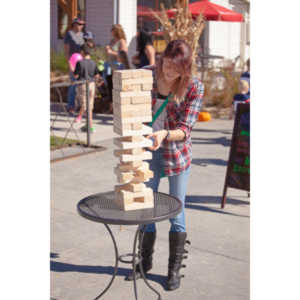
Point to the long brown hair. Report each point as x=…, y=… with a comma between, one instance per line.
x=118, y=31
x=181, y=54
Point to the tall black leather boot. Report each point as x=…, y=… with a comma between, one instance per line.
x=146, y=253
x=177, y=241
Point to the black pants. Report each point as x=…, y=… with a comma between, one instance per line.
x=109, y=86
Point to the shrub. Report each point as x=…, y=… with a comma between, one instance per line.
x=58, y=62
x=220, y=87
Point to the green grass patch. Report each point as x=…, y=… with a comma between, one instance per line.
x=59, y=142
x=58, y=62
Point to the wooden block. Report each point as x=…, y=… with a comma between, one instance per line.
x=127, y=200
x=119, y=114
x=122, y=74
x=135, y=164
x=132, y=107
x=145, y=198
x=126, y=84
x=134, y=205
x=137, y=74
x=137, y=119
x=147, y=86
x=136, y=126
x=126, y=74
x=131, y=87
x=129, y=145
x=129, y=132
x=141, y=99
x=121, y=100
x=131, y=187
x=136, y=157
x=134, y=151
x=145, y=73
x=132, y=139
x=126, y=126
x=142, y=176
x=123, y=177
x=130, y=94
x=144, y=166
x=129, y=166
x=131, y=81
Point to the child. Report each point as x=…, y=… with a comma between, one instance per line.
x=243, y=97
x=86, y=69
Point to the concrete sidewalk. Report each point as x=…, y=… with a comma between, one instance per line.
x=82, y=255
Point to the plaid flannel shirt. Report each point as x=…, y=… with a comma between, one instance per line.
x=178, y=155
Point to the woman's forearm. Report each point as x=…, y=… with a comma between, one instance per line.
x=114, y=53
x=175, y=135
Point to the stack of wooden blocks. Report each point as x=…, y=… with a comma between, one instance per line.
x=132, y=107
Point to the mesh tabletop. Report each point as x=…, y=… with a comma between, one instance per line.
x=101, y=208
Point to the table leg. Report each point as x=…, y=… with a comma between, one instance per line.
x=140, y=232
x=116, y=264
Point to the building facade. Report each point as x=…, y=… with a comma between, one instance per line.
x=99, y=16
x=228, y=39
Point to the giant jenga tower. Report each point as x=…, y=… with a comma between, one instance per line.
x=132, y=107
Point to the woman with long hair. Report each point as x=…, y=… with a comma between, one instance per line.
x=118, y=43
x=177, y=99
x=146, y=51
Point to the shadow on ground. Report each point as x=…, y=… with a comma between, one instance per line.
x=194, y=202
x=203, y=162
x=211, y=130
x=64, y=267
x=105, y=119
x=222, y=141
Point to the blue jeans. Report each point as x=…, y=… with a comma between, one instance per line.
x=177, y=187
x=71, y=93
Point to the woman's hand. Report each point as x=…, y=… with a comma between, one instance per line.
x=108, y=49
x=157, y=137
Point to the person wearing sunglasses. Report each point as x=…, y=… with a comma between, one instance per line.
x=72, y=42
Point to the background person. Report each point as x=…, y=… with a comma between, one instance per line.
x=172, y=146
x=86, y=69
x=72, y=42
x=242, y=97
x=118, y=43
x=146, y=51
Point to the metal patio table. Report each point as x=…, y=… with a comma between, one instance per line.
x=101, y=208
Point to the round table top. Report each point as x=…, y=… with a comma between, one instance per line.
x=101, y=208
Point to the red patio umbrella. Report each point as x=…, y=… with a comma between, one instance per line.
x=144, y=11
x=211, y=12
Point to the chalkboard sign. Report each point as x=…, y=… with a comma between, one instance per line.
x=238, y=167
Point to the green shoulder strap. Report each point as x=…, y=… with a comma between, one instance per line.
x=159, y=111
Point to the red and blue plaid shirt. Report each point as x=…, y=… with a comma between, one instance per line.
x=178, y=155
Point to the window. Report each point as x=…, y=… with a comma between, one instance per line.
x=81, y=11
x=63, y=21
x=66, y=11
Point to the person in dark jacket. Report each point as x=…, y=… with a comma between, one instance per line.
x=146, y=51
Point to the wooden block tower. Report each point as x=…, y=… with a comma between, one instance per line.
x=132, y=107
